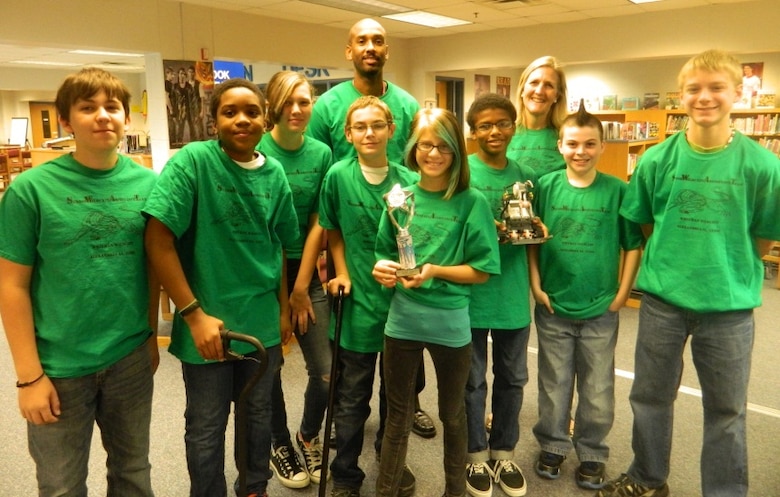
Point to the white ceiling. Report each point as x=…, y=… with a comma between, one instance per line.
x=484, y=15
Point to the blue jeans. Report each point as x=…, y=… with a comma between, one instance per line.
x=119, y=399
x=316, y=350
x=721, y=346
x=210, y=389
x=581, y=351
x=510, y=375
x=352, y=407
x=401, y=362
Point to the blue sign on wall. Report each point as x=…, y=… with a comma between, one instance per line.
x=224, y=70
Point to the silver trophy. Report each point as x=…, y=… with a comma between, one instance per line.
x=398, y=199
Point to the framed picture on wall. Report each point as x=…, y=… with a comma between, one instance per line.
x=481, y=84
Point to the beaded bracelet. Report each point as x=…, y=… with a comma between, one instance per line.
x=28, y=383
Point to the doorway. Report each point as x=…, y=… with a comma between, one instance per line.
x=43, y=122
x=449, y=95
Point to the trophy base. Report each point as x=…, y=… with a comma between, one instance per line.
x=402, y=273
x=519, y=240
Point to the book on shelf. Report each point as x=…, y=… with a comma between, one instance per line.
x=675, y=123
x=612, y=130
x=765, y=100
x=609, y=102
x=630, y=103
x=672, y=100
x=632, y=160
x=651, y=100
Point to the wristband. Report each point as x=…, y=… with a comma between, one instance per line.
x=189, y=308
x=29, y=383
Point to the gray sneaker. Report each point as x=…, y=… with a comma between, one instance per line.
x=312, y=456
x=344, y=492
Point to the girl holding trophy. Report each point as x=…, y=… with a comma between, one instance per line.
x=446, y=229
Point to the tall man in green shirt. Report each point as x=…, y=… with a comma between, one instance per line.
x=367, y=48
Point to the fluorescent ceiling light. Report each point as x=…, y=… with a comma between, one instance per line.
x=116, y=67
x=109, y=54
x=44, y=63
x=426, y=19
x=368, y=7
x=643, y=1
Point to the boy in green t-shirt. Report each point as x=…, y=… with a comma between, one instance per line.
x=709, y=200
x=580, y=284
x=219, y=218
x=499, y=308
x=78, y=308
x=351, y=206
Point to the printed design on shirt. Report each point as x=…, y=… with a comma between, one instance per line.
x=425, y=235
x=690, y=201
x=363, y=229
x=98, y=225
x=236, y=215
x=569, y=227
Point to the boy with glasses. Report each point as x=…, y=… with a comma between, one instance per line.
x=499, y=308
x=351, y=206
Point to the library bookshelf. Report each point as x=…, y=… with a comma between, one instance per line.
x=760, y=124
x=620, y=155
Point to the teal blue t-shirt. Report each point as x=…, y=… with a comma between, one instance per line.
x=446, y=233
x=354, y=206
x=503, y=301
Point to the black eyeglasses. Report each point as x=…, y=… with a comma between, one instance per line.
x=427, y=147
x=502, y=125
x=362, y=128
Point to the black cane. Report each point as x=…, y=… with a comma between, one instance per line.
x=334, y=374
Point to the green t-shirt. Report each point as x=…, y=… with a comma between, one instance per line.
x=231, y=224
x=81, y=230
x=305, y=168
x=537, y=149
x=580, y=266
x=503, y=302
x=352, y=205
x=330, y=112
x=446, y=233
x=706, y=211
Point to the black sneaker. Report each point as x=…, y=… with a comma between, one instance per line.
x=344, y=492
x=479, y=479
x=549, y=465
x=423, y=425
x=287, y=467
x=625, y=486
x=510, y=477
x=591, y=475
x=408, y=482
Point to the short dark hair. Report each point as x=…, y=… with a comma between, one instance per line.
x=220, y=89
x=86, y=84
x=582, y=119
x=489, y=101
